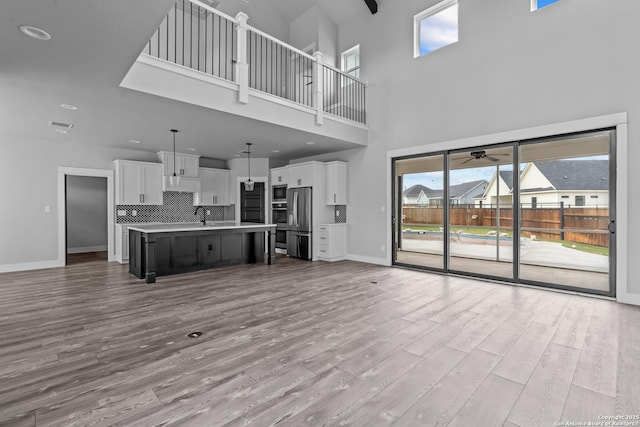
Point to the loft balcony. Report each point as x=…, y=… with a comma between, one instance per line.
x=201, y=56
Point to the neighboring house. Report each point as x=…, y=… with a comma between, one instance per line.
x=418, y=195
x=460, y=194
x=502, y=187
x=549, y=182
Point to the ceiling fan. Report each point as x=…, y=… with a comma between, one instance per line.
x=477, y=155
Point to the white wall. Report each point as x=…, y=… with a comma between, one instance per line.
x=29, y=234
x=512, y=69
x=86, y=214
x=261, y=16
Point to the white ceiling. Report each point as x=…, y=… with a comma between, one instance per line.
x=93, y=45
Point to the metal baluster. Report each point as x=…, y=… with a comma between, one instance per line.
x=183, y=25
x=199, y=38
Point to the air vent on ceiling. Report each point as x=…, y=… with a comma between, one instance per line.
x=193, y=8
x=61, y=125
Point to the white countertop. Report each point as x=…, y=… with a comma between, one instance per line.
x=197, y=226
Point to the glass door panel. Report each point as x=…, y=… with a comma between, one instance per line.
x=565, y=212
x=480, y=197
x=418, y=211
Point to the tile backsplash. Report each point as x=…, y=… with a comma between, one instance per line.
x=341, y=214
x=177, y=207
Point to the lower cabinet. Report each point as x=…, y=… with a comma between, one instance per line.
x=122, y=243
x=332, y=241
x=183, y=252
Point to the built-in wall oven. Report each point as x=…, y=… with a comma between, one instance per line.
x=279, y=194
x=279, y=217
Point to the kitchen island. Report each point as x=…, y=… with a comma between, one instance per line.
x=163, y=249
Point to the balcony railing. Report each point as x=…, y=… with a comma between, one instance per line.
x=199, y=37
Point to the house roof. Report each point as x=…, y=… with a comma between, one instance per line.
x=576, y=174
x=455, y=191
x=414, y=190
x=460, y=190
x=507, y=177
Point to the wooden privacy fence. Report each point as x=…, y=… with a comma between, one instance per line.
x=557, y=222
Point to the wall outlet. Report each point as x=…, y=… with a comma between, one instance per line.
x=208, y=212
x=382, y=248
x=122, y=212
x=382, y=208
x=47, y=209
x=134, y=212
x=337, y=213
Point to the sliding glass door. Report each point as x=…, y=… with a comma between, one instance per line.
x=481, y=212
x=566, y=210
x=538, y=212
x=419, y=211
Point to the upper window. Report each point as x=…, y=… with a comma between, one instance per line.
x=436, y=27
x=351, y=61
x=539, y=4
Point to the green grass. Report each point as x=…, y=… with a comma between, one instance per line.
x=592, y=249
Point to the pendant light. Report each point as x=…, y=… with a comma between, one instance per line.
x=174, y=179
x=248, y=184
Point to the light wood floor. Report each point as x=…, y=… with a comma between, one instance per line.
x=301, y=343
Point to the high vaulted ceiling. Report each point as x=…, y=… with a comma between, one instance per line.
x=93, y=46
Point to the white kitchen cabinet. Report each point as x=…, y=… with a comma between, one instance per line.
x=308, y=174
x=214, y=188
x=332, y=241
x=138, y=183
x=336, y=183
x=187, y=165
x=122, y=243
x=280, y=176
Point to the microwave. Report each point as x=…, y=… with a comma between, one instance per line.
x=279, y=193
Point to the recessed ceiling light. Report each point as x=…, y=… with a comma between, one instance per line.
x=310, y=143
x=69, y=106
x=35, y=32
x=275, y=151
x=191, y=149
x=135, y=141
x=61, y=131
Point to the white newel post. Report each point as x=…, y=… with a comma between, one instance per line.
x=318, y=83
x=242, y=66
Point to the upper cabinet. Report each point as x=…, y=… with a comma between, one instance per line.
x=304, y=174
x=187, y=165
x=138, y=183
x=280, y=176
x=336, y=183
x=214, y=188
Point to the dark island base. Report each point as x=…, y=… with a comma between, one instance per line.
x=161, y=254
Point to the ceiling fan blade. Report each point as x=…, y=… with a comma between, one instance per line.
x=467, y=161
x=493, y=159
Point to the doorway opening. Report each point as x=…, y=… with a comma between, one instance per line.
x=539, y=212
x=82, y=198
x=86, y=219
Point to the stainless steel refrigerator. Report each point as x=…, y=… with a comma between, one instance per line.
x=299, y=222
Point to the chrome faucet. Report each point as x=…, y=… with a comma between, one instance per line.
x=204, y=219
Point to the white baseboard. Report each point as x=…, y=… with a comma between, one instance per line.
x=368, y=260
x=85, y=249
x=24, y=266
x=633, y=299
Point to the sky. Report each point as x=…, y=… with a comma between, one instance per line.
x=439, y=30
x=543, y=3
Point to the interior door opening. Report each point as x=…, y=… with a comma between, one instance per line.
x=86, y=226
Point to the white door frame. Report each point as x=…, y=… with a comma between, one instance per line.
x=62, y=208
